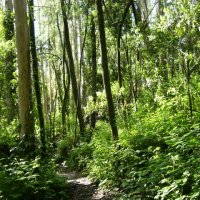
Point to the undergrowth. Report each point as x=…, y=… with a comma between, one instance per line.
x=22, y=179
x=157, y=158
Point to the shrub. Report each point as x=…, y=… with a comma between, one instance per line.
x=158, y=159
x=21, y=179
x=79, y=156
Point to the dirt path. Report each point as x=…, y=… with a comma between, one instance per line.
x=81, y=188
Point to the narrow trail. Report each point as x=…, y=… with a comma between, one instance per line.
x=81, y=188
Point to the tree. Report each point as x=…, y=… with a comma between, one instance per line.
x=94, y=68
x=119, y=44
x=9, y=61
x=72, y=70
x=36, y=77
x=26, y=119
x=106, y=73
x=66, y=81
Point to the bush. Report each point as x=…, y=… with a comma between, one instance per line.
x=158, y=159
x=79, y=156
x=149, y=171
x=8, y=137
x=21, y=179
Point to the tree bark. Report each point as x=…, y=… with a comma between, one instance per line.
x=72, y=70
x=9, y=62
x=106, y=73
x=24, y=73
x=136, y=12
x=36, y=78
x=65, y=103
x=119, y=44
x=94, y=69
x=66, y=83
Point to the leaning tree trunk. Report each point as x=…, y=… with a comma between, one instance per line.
x=36, y=78
x=24, y=73
x=106, y=74
x=72, y=70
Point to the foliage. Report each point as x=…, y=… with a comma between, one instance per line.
x=157, y=159
x=8, y=138
x=21, y=179
x=79, y=156
x=157, y=107
x=160, y=173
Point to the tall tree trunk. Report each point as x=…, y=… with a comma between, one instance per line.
x=45, y=92
x=119, y=43
x=58, y=77
x=44, y=85
x=24, y=72
x=136, y=12
x=51, y=100
x=65, y=101
x=54, y=120
x=189, y=93
x=36, y=78
x=9, y=61
x=106, y=73
x=144, y=9
x=75, y=44
x=163, y=56
x=72, y=70
x=82, y=43
x=94, y=69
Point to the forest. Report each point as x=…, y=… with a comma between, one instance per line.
x=107, y=92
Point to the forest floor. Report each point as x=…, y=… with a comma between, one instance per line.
x=81, y=188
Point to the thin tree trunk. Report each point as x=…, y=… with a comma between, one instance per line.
x=94, y=70
x=82, y=41
x=66, y=96
x=75, y=39
x=44, y=85
x=54, y=120
x=9, y=61
x=163, y=56
x=36, y=78
x=106, y=73
x=51, y=100
x=188, y=77
x=119, y=44
x=65, y=101
x=58, y=81
x=136, y=13
x=72, y=70
x=45, y=93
